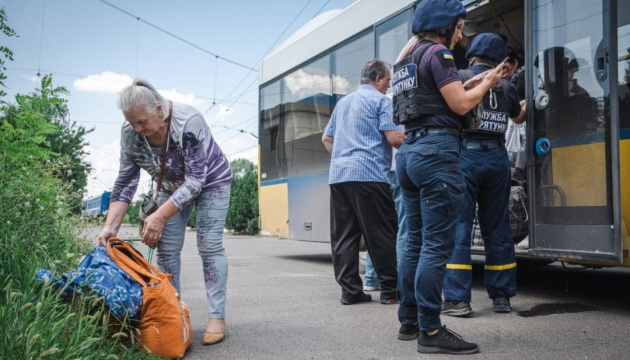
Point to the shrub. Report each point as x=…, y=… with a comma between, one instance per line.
x=242, y=215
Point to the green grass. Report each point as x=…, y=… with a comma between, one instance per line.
x=37, y=232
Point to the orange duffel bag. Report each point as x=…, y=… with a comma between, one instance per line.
x=164, y=324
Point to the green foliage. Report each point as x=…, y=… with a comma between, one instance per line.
x=5, y=52
x=46, y=112
x=242, y=215
x=132, y=212
x=38, y=231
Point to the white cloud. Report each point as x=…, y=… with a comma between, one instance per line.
x=110, y=82
x=222, y=113
x=107, y=82
x=188, y=98
x=31, y=78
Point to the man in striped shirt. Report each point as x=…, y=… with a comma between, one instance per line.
x=360, y=136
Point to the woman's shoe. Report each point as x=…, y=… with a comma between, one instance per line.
x=212, y=338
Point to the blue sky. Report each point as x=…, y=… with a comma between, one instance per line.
x=94, y=49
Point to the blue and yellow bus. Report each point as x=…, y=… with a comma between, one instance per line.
x=577, y=82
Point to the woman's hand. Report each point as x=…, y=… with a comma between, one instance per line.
x=475, y=80
x=107, y=233
x=152, y=231
x=495, y=74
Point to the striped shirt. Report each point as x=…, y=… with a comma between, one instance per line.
x=360, y=149
x=194, y=161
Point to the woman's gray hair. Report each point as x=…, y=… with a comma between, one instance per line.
x=372, y=70
x=141, y=93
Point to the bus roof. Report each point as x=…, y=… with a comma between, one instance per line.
x=325, y=31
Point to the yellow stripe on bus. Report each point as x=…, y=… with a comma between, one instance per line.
x=500, y=267
x=459, y=266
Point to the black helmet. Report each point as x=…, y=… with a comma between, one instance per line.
x=436, y=14
x=487, y=45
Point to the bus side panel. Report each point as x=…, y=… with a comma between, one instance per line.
x=274, y=209
x=624, y=167
x=310, y=208
x=580, y=171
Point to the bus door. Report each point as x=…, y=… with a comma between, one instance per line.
x=573, y=137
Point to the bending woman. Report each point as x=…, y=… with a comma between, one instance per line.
x=195, y=172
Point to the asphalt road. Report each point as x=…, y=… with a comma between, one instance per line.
x=283, y=303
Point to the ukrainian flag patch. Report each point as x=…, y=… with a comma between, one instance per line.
x=447, y=54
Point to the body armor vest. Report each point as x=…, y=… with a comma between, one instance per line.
x=492, y=113
x=411, y=102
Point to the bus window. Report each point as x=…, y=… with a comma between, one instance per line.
x=571, y=180
x=271, y=151
x=347, y=63
x=307, y=97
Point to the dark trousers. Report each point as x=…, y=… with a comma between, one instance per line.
x=363, y=208
x=487, y=174
x=433, y=193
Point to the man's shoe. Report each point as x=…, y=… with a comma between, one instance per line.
x=389, y=301
x=408, y=332
x=456, y=308
x=501, y=304
x=445, y=342
x=351, y=300
x=376, y=287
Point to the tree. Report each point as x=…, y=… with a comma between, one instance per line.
x=242, y=214
x=64, y=138
x=6, y=52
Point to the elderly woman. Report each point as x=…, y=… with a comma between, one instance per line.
x=172, y=142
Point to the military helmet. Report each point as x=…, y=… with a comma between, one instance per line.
x=436, y=14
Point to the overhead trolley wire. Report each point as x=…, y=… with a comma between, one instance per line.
x=178, y=37
x=263, y=56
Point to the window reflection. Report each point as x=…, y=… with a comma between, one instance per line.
x=570, y=181
x=347, y=63
x=623, y=58
x=307, y=103
x=272, y=147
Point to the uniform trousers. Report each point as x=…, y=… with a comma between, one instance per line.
x=487, y=174
x=433, y=189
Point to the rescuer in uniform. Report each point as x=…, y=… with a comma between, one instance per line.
x=430, y=100
x=486, y=166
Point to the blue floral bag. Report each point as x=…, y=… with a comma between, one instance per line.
x=98, y=272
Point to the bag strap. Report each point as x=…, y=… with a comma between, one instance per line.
x=133, y=263
x=164, y=149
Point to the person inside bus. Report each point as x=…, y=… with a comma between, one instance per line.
x=360, y=136
x=469, y=31
x=430, y=100
x=173, y=139
x=486, y=166
x=571, y=108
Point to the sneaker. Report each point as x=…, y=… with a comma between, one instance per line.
x=501, y=304
x=376, y=287
x=408, y=332
x=445, y=342
x=456, y=308
x=524, y=244
x=351, y=300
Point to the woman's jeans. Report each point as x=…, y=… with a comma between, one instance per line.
x=433, y=188
x=370, y=278
x=212, y=206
